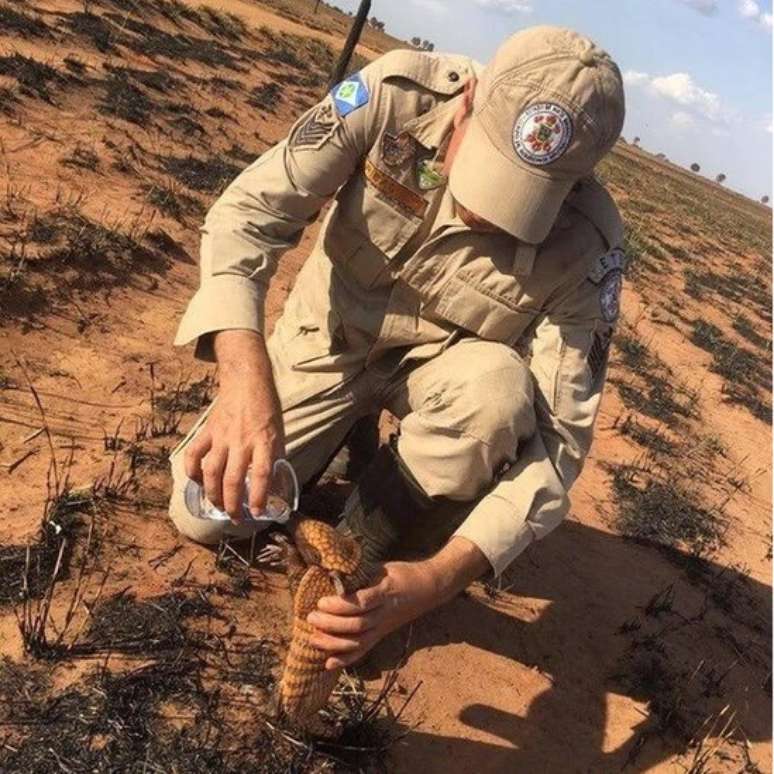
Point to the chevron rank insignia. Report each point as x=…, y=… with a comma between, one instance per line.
x=315, y=129
x=349, y=95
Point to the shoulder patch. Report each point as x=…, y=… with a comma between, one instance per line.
x=610, y=295
x=350, y=94
x=615, y=260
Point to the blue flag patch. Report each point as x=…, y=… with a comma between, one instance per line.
x=350, y=94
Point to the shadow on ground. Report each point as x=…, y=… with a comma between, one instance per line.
x=619, y=618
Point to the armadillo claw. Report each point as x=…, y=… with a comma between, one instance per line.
x=274, y=554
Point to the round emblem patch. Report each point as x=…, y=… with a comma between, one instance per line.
x=542, y=133
x=610, y=295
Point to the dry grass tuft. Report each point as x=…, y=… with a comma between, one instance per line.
x=35, y=78
x=665, y=512
x=16, y=22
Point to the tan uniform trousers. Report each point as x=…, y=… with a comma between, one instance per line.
x=463, y=414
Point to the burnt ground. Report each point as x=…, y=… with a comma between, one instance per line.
x=637, y=636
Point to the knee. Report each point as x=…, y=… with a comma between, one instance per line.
x=477, y=405
x=491, y=396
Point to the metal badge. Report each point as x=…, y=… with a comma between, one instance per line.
x=397, y=150
x=428, y=177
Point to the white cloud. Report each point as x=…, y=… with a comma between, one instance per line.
x=506, y=6
x=633, y=78
x=433, y=6
x=750, y=9
x=706, y=7
x=683, y=120
x=681, y=88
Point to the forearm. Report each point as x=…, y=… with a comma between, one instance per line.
x=241, y=355
x=245, y=375
x=455, y=567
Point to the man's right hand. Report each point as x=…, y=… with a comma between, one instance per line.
x=244, y=429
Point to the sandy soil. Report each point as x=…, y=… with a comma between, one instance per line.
x=600, y=652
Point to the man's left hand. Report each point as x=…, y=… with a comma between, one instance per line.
x=349, y=626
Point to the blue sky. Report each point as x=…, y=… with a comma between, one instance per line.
x=698, y=72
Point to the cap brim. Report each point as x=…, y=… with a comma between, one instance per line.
x=510, y=196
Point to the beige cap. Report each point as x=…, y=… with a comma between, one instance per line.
x=547, y=108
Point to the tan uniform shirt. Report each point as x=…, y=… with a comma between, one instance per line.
x=409, y=277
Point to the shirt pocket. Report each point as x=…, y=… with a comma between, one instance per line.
x=308, y=355
x=487, y=300
x=489, y=317
x=368, y=229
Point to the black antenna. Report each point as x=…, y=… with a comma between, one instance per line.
x=349, y=46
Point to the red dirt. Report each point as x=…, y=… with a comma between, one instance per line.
x=548, y=674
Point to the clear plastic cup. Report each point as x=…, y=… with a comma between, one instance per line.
x=281, y=499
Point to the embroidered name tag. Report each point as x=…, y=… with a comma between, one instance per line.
x=396, y=192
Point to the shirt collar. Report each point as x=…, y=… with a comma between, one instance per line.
x=431, y=128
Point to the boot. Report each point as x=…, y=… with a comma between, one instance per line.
x=385, y=503
x=359, y=448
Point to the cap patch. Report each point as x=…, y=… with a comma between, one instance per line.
x=542, y=133
x=610, y=295
x=350, y=94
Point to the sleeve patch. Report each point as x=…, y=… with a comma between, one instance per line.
x=610, y=295
x=597, y=356
x=616, y=259
x=350, y=94
x=316, y=129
